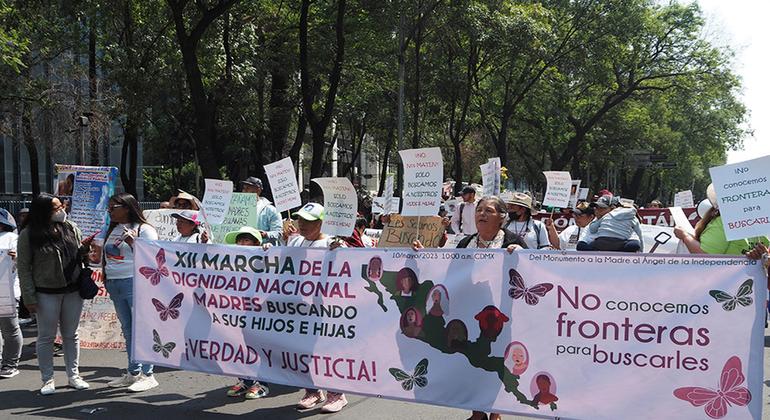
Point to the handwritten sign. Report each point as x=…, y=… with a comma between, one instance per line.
x=162, y=221
x=574, y=193
x=242, y=212
x=340, y=206
x=743, y=197
x=423, y=180
x=558, y=192
x=402, y=231
x=283, y=184
x=683, y=199
x=216, y=201
x=488, y=178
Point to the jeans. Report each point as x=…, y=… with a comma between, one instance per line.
x=63, y=311
x=10, y=342
x=122, y=295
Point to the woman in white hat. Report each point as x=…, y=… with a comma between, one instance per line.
x=520, y=221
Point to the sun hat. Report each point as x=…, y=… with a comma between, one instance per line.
x=232, y=237
x=189, y=215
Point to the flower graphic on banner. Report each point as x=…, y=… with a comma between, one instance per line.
x=532, y=294
x=419, y=377
x=743, y=297
x=172, y=310
x=728, y=394
x=159, y=347
x=153, y=274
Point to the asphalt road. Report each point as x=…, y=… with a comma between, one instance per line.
x=189, y=395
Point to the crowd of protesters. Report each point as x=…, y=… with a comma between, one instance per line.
x=50, y=253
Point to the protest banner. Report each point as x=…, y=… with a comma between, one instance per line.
x=216, y=200
x=743, y=197
x=89, y=189
x=283, y=184
x=683, y=199
x=659, y=217
x=583, y=194
x=7, y=298
x=536, y=333
x=403, y=230
x=340, y=206
x=557, y=192
x=162, y=221
x=574, y=193
x=423, y=180
x=391, y=204
x=379, y=204
x=242, y=212
x=659, y=240
x=99, y=326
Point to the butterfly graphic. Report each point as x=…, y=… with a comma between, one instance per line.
x=159, y=347
x=743, y=297
x=409, y=381
x=172, y=310
x=153, y=274
x=729, y=393
x=532, y=294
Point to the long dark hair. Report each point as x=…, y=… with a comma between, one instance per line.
x=134, y=211
x=42, y=232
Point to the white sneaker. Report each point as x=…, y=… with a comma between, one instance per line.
x=48, y=388
x=143, y=383
x=126, y=380
x=78, y=383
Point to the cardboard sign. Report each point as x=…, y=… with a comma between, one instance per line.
x=557, y=193
x=574, y=193
x=162, y=221
x=683, y=199
x=216, y=201
x=423, y=180
x=743, y=197
x=283, y=184
x=402, y=231
x=340, y=206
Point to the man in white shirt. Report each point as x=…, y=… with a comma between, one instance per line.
x=464, y=218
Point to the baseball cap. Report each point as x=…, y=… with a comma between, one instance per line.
x=310, y=212
x=605, y=201
x=189, y=215
x=232, y=237
x=252, y=180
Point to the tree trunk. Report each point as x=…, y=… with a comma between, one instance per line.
x=29, y=144
x=280, y=108
x=386, y=156
x=128, y=155
x=92, y=93
x=458, y=168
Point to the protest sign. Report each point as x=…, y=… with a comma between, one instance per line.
x=89, y=189
x=488, y=178
x=683, y=199
x=536, y=333
x=241, y=212
x=391, y=205
x=743, y=197
x=574, y=193
x=659, y=239
x=216, y=200
x=423, y=180
x=162, y=221
x=498, y=182
x=283, y=184
x=659, y=217
x=403, y=230
x=557, y=193
x=379, y=204
x=7, y=298
x=99, y=326
x=583, y=194
x=451, y=206
x=340, y=206
x=453, y=239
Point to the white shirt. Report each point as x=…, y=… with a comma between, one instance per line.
x=569, y=237
x=530, y=231
x=300, y=241
x=119, y=263
x=468, y=212
x=195, y=238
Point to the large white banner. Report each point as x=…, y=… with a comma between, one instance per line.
x=559, y=186
x=340, y=206
x=743, y=197
x=583, y=336
x=7, y=299
x=423, y=180
x=283, y=183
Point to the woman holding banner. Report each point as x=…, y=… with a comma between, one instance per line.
x=50, y=257
x=309, y=220
x=491, y=214
x=126, y=224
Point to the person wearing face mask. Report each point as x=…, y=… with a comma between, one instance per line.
x=520, y=221
x=50, y=257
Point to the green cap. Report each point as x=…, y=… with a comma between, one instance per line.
x=231, y=237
